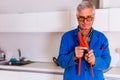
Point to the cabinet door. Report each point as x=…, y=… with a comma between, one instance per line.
x=9, y=75
x=35, y=22
x=101, y=20
x=36, y=76
x=18, y=22
x=53, y=21
x=58, y=77
x=114, y=19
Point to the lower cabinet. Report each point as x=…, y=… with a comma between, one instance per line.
x=9, y=75
x=14, y=75
x=40, y=76
x=58, y=77
x=36, y=76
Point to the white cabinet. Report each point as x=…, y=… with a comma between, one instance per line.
x=100, y=22
x=73, y=21
x=104, y=3
x=58, y=77
x=114, y=16
x=17, y=22
x=40, y=76
x=18, y=75
x=36, y=76
x=35, y=22
x=53, y=21
x=9, y=75
x=59, y=21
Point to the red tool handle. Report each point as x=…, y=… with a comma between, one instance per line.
x=83, y=43
x=86, y=44
x=79, y=60
x=79, y=66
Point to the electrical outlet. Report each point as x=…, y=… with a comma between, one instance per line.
x=117, y=50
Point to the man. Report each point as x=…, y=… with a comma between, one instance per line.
x=97, y=57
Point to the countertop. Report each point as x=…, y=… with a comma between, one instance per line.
x=50, y=67
x=35, y=67
x=113, y=72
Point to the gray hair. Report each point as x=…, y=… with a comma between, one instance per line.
x=85, y=4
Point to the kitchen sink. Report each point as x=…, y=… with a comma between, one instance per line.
x=18, y=63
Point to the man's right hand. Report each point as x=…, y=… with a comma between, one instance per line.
x=79, y=52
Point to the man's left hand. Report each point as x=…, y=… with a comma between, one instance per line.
x=90, y=57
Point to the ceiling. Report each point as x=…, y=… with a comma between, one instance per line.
x=29, y=6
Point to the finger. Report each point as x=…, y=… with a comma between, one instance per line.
x=79, y=55
x=80, y=51
x=90, y=60
x=82, y=48
x=86, y=57
x=91, y=51
x=90, y=55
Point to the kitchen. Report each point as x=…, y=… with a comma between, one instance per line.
x=37, y=32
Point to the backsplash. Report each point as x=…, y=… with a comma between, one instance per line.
x=114, y=38
x=33, y=46
x=42, y=46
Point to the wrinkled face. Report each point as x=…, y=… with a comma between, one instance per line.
x=85, y=18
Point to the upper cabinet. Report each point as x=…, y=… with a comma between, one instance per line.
x=58, y=21
x=114, y=16
x=100, y=22
x=17, y=22
x=109, y=3
x=35, y=22
x=53, y=21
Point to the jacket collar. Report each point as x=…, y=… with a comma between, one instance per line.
x=77, y=30
x=94, y=39
x=76, y=36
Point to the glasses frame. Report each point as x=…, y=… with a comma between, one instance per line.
x=91, y=17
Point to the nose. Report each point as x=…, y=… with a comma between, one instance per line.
x=85, y=21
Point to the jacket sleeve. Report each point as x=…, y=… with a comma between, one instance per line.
x=66, y=56
x=103, y=60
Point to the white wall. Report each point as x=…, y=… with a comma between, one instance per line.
x=114, y=38
x=34, y=46
x=43, y=46
x=27, y=6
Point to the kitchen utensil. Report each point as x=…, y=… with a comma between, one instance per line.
x=55, y=61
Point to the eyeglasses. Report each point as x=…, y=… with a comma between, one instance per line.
x=82, y=18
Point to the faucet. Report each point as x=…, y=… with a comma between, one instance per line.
x=2, y=55
x=20, y=57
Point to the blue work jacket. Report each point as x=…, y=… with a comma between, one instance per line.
x=98, y=43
